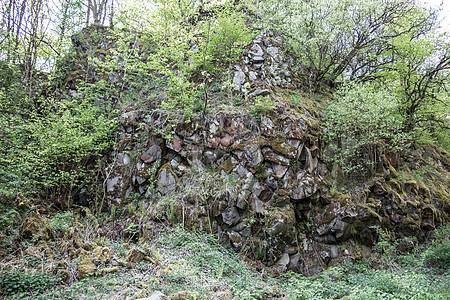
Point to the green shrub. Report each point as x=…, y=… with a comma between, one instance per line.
x=61, y=222
x=20, y=281
x=360, y=123
x=54, y=146
x=261, y=105
x=438, y=256
x=438, y=253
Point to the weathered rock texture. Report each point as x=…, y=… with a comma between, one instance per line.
x=259, y=185
x=262, y=185
x=263, y=65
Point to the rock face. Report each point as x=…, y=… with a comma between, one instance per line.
x=263, y=66
x=262, y=185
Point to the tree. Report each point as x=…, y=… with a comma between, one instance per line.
x=99, y=10
x=334, y=39
x=360, y=124
x=420, y=74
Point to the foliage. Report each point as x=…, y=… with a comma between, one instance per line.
x=360, y=123
x=49, y=150
x=63, y=143
x=328, y=48
x=419, y=77
x=19, y=281
x=355, y=281
x=177, y=265
x=61, y=222
x=7, y=218
x=229, y=33
x=261, y=104
x=438, y=254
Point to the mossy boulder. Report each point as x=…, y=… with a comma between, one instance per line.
x=135, y=255
x=85, y=268
x=101, y=255
x=36, y=226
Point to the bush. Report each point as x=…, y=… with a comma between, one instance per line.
x=438, y=254
x=49, y=150
x=20, y=281
x=360, y=123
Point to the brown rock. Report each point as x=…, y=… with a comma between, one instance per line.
x=279, y=170
x=226, y=140
x=36, y=226
x=181, y=296
x=152, y=154
x=105, y=271
x=86, y=267
x=64, y=275
x=135, y=255
x=34, y=251
x=174, y=144
x=222, y=295
x=102, y=255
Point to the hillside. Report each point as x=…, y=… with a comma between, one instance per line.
x=231, y=155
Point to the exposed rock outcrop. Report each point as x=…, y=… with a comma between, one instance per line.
x=262, y=184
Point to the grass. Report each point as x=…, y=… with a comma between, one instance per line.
x=181, y=260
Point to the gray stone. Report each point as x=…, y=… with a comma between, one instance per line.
x=325, y=256
x=258, y=66
x=279, y=170
x=260, y=92
x=267, y=124
x=213, y=128
x=211, y=156
x=291, y=250
x=249, y=181
x=258, y=59
x=342, y=230
x=270, y=155
x=142, y=189
x=240, y=226
x=241, y=171
x=334, y=251
x=151, y=154
x=273, y=70
x=126, y=159
x=242, y=199
x=166, y=182
x=294, y=263
x=252, y=75
x=239, y=77
x=155, y=296
x=274, y=52
x=257, y=189
x=282, y=263
x=256, y=204
x=304, y=188
x=231, y=216
x=256, y=50
x=236, y=239
x=140, y=180
x=254, y=154
x=114, y=186
x=175, y=162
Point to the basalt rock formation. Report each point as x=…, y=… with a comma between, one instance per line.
x=262, y=183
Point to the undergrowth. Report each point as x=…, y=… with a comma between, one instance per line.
x=182, y=260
